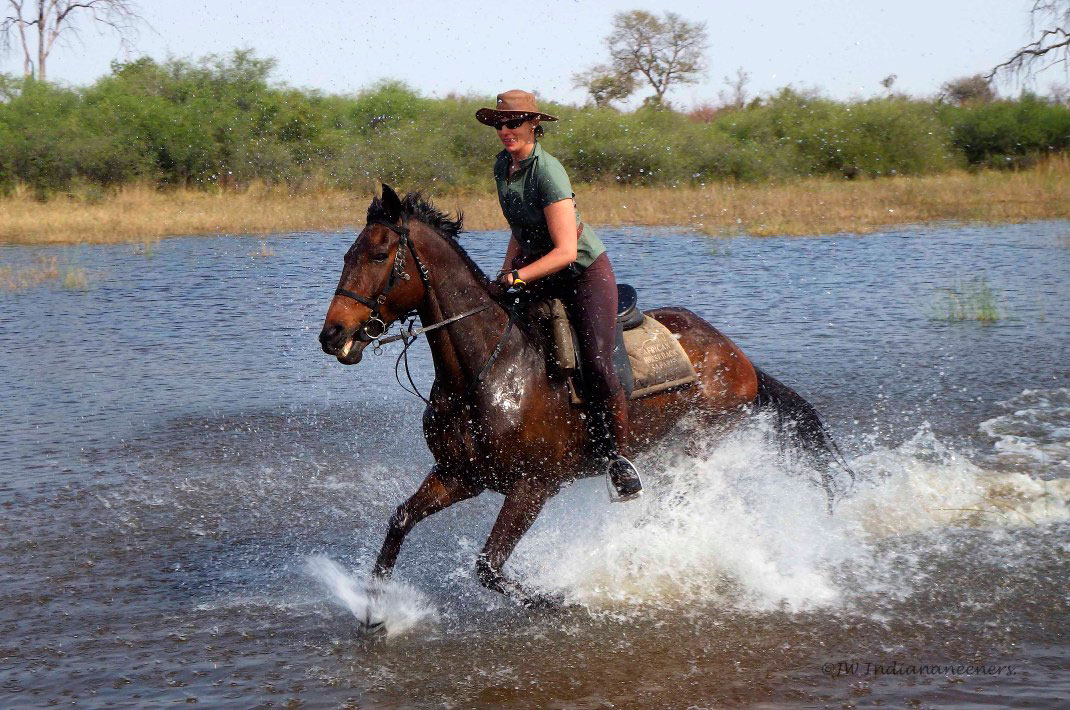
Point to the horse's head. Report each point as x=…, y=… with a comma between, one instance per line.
x=380, y=283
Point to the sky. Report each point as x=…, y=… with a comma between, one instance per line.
x=842, y=47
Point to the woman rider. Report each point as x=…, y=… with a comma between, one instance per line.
x=555, y=254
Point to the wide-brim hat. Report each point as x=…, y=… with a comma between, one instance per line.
x=512, y=104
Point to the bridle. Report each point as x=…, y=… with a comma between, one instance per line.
x=397, y=273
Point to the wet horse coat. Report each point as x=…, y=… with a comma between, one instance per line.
x=515, y=431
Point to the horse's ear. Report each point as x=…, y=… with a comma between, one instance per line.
x=391, y=202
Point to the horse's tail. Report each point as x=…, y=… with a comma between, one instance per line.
x=800, y=423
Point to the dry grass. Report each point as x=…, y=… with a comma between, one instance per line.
x=828, y=205
x=144, y=214
x=263, y=252
x=19, y=278
x=75, y=279
x=43, y=270
x=801, y=207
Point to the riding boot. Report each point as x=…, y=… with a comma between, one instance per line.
x=622, y=473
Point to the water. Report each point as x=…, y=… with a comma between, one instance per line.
x=192, y=493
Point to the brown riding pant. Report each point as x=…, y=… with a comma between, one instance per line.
x=591, y=301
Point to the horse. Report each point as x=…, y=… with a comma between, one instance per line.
x=495, y=420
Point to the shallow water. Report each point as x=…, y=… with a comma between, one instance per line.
x=192, y=493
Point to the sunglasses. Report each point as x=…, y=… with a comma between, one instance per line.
x=511, y=125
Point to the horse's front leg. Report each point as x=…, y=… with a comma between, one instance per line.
x=521, y=507
x=438, y=491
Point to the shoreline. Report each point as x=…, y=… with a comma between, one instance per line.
x=803, y=207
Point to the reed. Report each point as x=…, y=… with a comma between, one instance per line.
x=808, y=206
x=75, y=279
x=970, y=301
x=43, y=270
x=264, y=251
x=24, y=276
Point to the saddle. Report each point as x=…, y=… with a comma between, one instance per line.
x=648, y=358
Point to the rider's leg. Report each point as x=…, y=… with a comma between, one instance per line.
x=612, y=441
x=438, y=491
x=592, y=305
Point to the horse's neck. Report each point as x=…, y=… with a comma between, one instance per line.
x=460, y=349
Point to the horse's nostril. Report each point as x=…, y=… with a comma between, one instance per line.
x=329, y=332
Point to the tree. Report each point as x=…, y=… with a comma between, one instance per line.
x=974, y=89
x=605, y=85
x=663, y=52
x=1050, y=21
x=39, y=23
x=736, y=95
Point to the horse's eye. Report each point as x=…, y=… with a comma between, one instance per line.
x=379, y=258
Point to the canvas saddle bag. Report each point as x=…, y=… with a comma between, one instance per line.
x=648, y=357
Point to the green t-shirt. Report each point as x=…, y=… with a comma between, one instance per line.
x=540, y=181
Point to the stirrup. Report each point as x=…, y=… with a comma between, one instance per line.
x=633, y=484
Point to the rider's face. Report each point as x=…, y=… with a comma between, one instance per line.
x=516, y=139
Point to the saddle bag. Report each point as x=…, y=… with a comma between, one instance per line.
x=564, y=355
x=648, y=358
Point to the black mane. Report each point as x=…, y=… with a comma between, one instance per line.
x=414, y=205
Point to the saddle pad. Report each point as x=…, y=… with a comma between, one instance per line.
x=657, y=358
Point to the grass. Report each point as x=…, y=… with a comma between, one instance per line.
x=20, y=278
x=43, y=270
x=263, y=252
x=75, y=279
x=145, y=214
x=971, y=301
x=805, y=206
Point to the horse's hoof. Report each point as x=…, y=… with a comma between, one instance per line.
x=375, y=630
x=543, y=602
x=371, y=627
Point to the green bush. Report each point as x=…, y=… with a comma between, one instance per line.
x=1008, y=133
x=221, y=122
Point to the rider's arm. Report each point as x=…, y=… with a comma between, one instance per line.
x=510, y=254
x=561, y=221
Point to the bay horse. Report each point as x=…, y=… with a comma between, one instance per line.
x=495, y=420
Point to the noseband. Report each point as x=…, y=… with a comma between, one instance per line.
x=397, y=273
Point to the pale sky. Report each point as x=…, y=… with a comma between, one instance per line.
x=843, y=47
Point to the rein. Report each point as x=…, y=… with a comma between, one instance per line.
x=414, y=332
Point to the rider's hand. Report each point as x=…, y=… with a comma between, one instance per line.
x=505, y=282
x=498, y=287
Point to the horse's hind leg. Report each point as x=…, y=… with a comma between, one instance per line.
x=521, y=507
x=438, y=491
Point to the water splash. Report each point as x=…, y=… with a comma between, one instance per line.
x=923, y=484
x=389, y=607
x=741, y=527
x=1036, y=431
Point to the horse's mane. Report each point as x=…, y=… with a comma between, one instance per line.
x=416, y=206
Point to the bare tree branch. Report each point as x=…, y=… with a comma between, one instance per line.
x=55, y=19
x=1051, y=18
